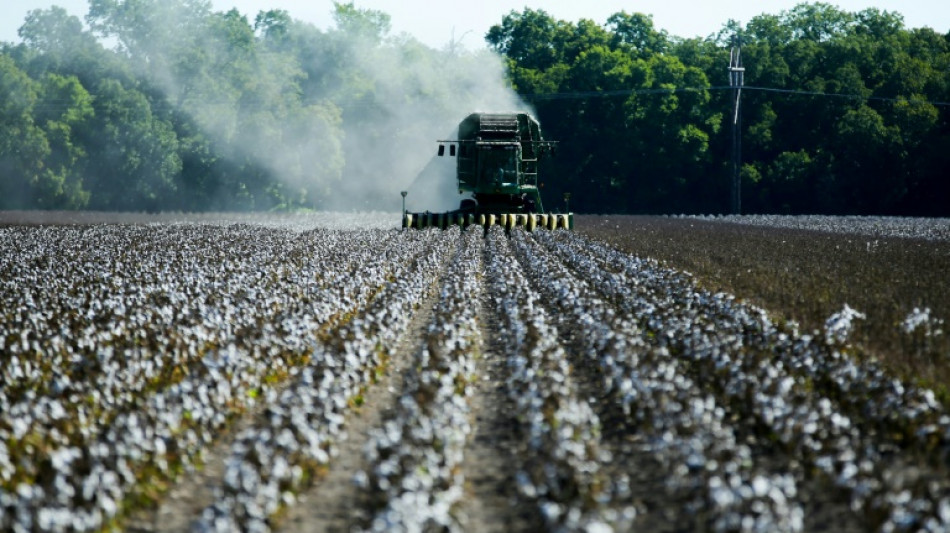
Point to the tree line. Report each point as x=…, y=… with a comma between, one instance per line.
x=647, y=116
x=170, y=105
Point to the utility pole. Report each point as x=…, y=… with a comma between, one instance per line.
x=736, y=81
x=403, y=193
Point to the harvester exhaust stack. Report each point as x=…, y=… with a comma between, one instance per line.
x=497, y=158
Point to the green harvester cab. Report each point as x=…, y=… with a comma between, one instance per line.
x=498, y=156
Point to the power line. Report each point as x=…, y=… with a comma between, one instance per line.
x=849, y=96
x=674, y=90
x=604, y=94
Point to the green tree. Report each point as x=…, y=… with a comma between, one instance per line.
x=150, y=31
x=367, y=23
x=274, y=28
x=637, y=32
x=24, y=147
x=55, y=42
x=136, y=163
x=672, y=136
x=527, y=38
x=199, y=109
x=64, y=106
x=868, y=159
x=818, y=22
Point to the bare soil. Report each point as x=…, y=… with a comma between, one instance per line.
x=183, y=504
x=492, y=502
x=336, y=502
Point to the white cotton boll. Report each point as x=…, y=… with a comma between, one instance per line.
x=839, y=325
x=922, y=320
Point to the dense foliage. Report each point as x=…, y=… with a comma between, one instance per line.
x=174, y=106
x=646, y=117
x=169, y=105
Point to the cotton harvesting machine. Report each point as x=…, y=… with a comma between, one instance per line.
x=497, y=158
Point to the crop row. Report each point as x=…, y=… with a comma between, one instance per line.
x=415, y=457
x=931, y=229
x=844, y=417
x=130, y=349
x=296, y=431
x=807, y=276
x=322, y=220
x=135, y=346
x=688, y=428
x=561, y=468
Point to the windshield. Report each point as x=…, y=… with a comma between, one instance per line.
x=499, y=165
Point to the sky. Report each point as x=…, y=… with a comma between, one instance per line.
x=437, y=22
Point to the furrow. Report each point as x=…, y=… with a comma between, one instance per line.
x=685, y=428
x=142, y=376
x=495, y=451
x=560, y=469
x=804, y=401
x=295, y=439
x=415, y=457
x=338, y=501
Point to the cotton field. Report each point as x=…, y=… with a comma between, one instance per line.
x=534, y=380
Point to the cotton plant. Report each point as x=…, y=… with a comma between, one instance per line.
x=839, y=326
x=921, y=333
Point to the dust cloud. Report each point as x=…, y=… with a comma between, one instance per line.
x=348, y=116
x=419, y=97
